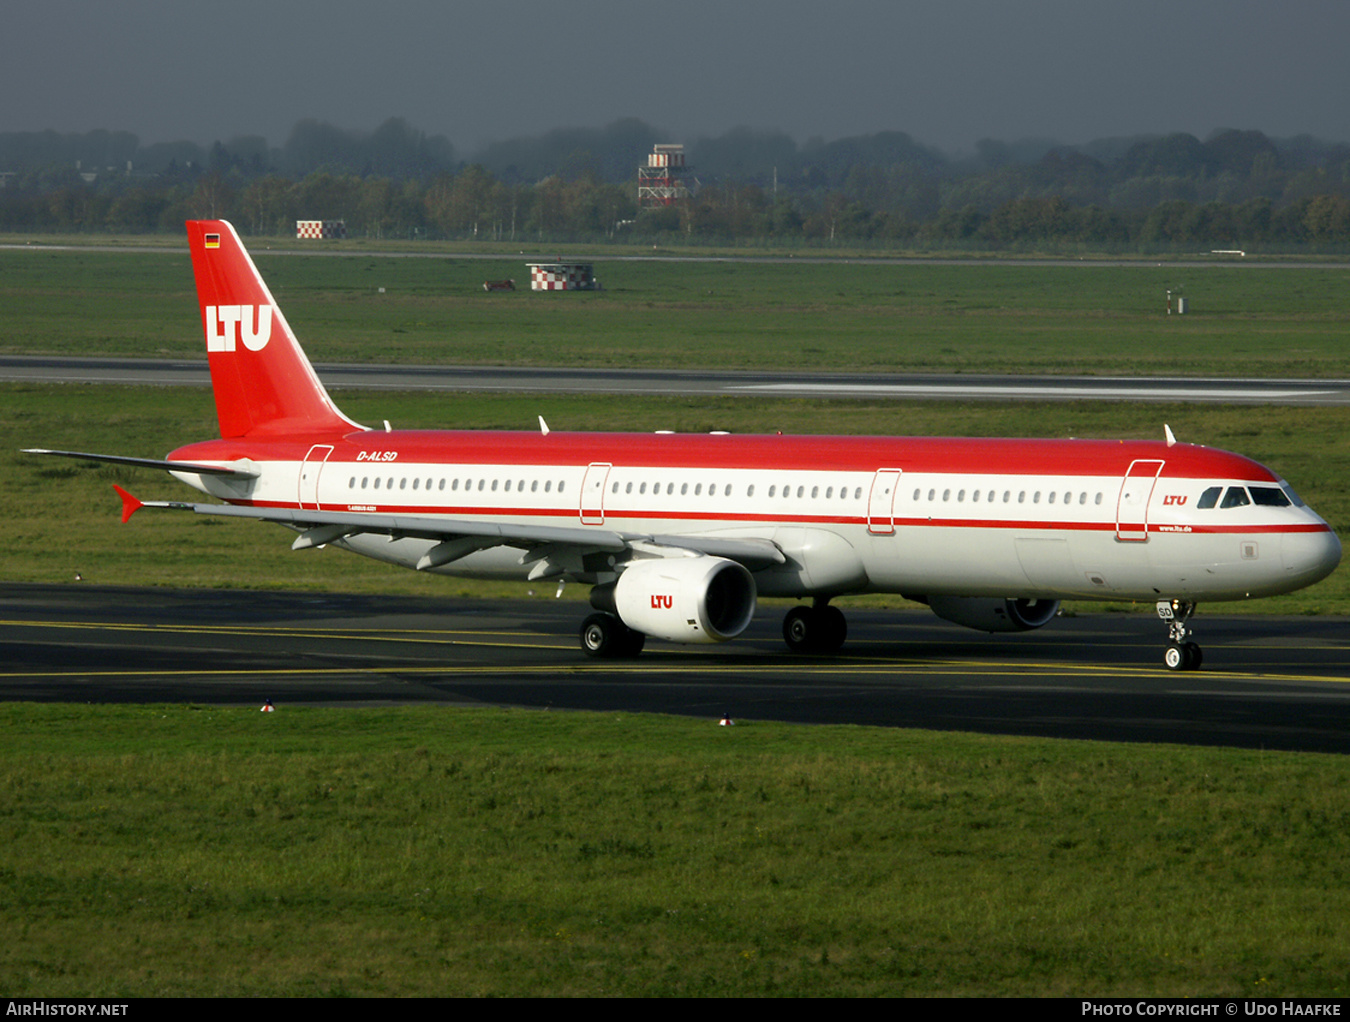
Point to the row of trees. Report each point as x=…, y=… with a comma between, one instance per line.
x=1236, y=189
x=473, y=205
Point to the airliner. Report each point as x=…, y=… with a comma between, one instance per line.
x=678, y=535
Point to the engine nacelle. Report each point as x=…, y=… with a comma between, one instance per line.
x=991, y=614
x=682, y=599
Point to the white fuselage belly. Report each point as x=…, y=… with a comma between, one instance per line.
x=924, y=534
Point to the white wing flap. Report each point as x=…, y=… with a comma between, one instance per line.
x=417, y=526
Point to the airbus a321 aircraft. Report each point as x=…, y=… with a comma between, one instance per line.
x=678, y=534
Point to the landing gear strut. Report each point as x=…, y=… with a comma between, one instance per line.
x=1181, y=654
x=816, y=629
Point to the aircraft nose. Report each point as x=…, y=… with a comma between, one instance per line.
x=1311, y=556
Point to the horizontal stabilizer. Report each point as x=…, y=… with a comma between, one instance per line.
x=237, y=472
x=130, y=505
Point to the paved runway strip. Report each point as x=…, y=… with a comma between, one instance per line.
x=875, y=386
x=1268, y=682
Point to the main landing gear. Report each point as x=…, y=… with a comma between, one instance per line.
x=1181, y=654
x=816, y=629
x=606, y=637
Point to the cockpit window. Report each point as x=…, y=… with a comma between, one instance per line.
x=1293, y=497
x=1235, y=497
x=1209, y=498
x=1269, y=496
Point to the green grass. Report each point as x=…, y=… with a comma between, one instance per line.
x=1070, y=318
x=204, y=851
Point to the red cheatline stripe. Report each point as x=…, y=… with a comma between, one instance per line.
x=641, y=519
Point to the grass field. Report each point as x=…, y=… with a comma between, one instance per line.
x=188, y=850
x=1070, y=318
x=218, y=851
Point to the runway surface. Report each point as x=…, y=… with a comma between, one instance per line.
x=868, y=386
x=1278, y=683
x=347, y=250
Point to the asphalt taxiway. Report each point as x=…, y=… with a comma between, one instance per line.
x=1268, y=682
x=723, y=383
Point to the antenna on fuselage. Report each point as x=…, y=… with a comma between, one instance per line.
x=1167, y=431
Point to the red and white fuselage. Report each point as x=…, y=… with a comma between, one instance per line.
x=1046, y=519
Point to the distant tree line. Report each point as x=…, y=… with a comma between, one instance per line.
x=1237, y=189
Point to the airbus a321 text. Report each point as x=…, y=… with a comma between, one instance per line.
x=679, y=534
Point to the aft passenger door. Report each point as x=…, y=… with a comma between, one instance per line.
x=1136, y=489
x=309, y=476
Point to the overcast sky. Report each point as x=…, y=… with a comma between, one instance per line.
x=948, y=73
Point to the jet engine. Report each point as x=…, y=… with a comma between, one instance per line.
x=993, y=614
x=682, y=599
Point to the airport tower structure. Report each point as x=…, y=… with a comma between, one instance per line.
x=661, y=181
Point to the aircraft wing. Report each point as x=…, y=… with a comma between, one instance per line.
x=548, y=546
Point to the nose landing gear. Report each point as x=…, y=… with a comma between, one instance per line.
x=1181, y=654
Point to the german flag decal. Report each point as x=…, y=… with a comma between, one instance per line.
x=213, y=241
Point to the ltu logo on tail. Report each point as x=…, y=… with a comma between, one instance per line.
x=229, y=325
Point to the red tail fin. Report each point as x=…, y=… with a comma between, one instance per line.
x=264, y=384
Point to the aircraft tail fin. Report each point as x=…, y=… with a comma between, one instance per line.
x=264, y=385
